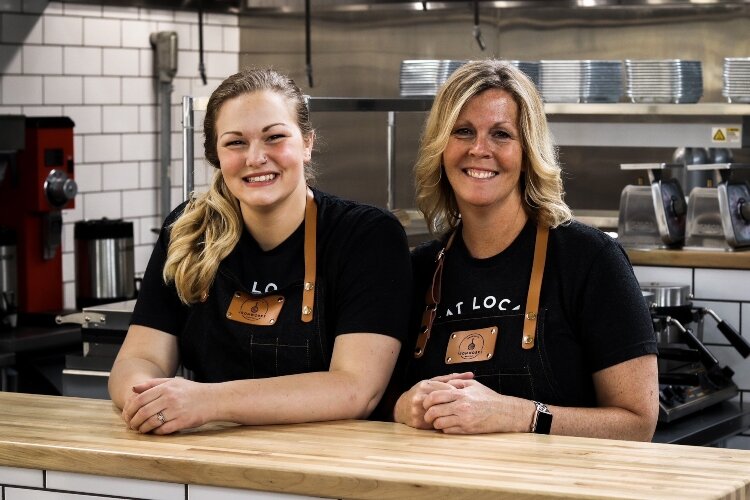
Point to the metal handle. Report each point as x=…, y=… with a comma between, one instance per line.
x=734, y=338
x=707, y=359
x=80, y=318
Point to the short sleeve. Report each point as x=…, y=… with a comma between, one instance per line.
x=616, y=321
x=373, y=279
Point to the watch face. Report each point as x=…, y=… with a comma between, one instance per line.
x=543, y=419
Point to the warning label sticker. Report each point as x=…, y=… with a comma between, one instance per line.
x=726, y=135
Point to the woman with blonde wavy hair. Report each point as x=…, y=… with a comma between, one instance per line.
x=269, y=292
x=525, y=321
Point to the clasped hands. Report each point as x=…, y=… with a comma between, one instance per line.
x=458, y=404
x=165, y=405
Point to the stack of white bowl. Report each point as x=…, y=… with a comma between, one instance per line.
x=581, y=81
x=664, y=81
x=736, y=79
x=423, y=77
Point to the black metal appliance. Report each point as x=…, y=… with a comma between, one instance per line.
x=690, y=376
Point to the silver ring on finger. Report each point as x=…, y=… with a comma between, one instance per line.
x=161, y=417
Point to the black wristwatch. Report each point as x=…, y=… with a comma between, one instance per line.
x=542, y=419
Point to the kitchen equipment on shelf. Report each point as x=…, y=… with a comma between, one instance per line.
x=718, y=217
x=8, y=279
x=652, y=216
x=736, y=79
x=581, y=80
x=103, y=329
x=104, y=262
x=690, y=377
x=38, y=184
x=664, y=80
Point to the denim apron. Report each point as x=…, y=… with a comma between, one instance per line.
x=218, y=345
x=518, y=365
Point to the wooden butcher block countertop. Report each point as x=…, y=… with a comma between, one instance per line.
x=358, y=459
x=690, y=258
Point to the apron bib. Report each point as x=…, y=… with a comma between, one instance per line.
x=234, y=334
x=506, y=352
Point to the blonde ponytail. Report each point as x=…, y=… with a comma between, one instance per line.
x=200, y=239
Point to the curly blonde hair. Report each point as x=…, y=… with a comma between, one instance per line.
x=211, y=224
x=541, y=182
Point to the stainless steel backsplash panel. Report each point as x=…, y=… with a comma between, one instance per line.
x=359, y=54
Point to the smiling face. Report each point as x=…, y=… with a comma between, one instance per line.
x=261, y=151
x=483, y=159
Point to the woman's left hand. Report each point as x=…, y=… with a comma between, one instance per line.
x=166, y=405
x=473, y=408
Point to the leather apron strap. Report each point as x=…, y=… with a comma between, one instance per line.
x=535, y=288
x=308, y=287
x=432, y=297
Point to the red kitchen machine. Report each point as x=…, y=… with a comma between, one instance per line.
x=36, y=156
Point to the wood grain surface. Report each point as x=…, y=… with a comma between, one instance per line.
x=690, y=258
x=358, y=459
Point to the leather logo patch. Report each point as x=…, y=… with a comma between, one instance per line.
x=471, y=346
x=255, y=310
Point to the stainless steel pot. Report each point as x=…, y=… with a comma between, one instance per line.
x=104, y=262
x=668, y=294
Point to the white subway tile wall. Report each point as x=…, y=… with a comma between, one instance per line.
x=95, y=65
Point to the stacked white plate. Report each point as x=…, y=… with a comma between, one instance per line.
x=423, y=77
x=737, y=79
x=581, y=80
x=664, y=81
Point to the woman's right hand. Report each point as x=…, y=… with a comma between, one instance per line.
x=409, y=408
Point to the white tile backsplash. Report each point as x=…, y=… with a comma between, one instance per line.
x=42, y=110
x=231, y=37
x=213, y=38
x=138, y=91
x=82, y=61
x=649, y=274
x=101, y=90
x=21, y=89
x=63, y=90
x=140, y=203
x=21, y=477
x=148, y=118
x=68, y=267
x=101, y=32
x=42, y=60
x=722, y=284
x=121, y=62
x=102, y=485
x=120, y=176
x=101, y=148
x=89, y=177
x=20, y=28
x=149, y=174
x=83, y=10
x=105, y=204
x=61, y=30
x=136, y=34
x=160, y=15
x=10, y=59
x=200, y=492
x=223, y=19
x=139, y=147
x=34, y=6
x=119, y=119
x=221, y=65
x=87, y=119
x=141, y=254
x=120, y=12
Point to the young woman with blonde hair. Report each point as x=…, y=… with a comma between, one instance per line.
x=286, y=304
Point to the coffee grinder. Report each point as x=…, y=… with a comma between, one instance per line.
x=719, y=217
x=652, y=216
x=36, y=154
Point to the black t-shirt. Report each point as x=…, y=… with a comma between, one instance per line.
x=595, y=315
x=362, y=263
